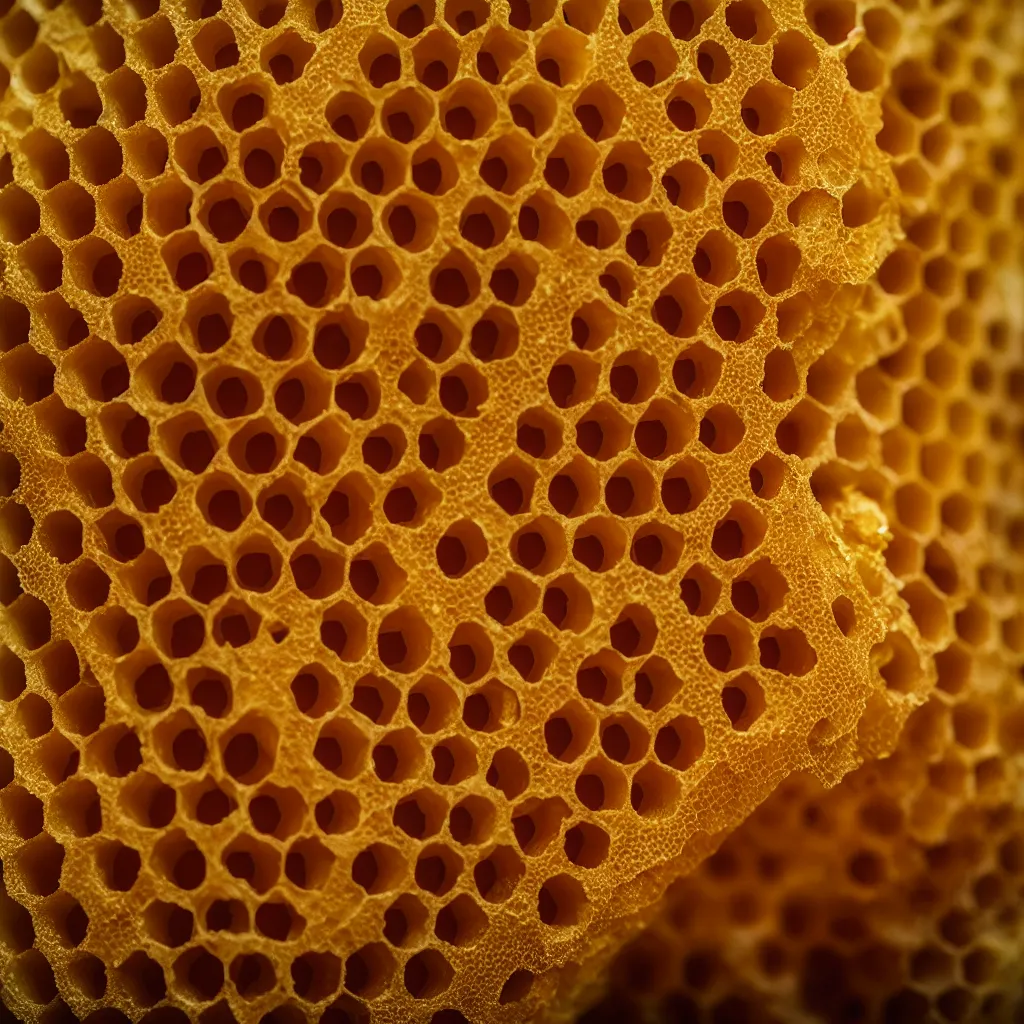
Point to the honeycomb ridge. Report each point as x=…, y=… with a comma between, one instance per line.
x=896, y=896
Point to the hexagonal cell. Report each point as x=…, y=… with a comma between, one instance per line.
x=766, y=108
x=567, y=603
x=460, y=922
x=743, y=701
x=252, y=974
x=568, y=731
x=70, y=207
x=463, y=390
x=739, y=532
x=493, y=707
x=248, y=749
x=187, y=261
x=786, y=651
x=471, y=821
x=150, y=802
x=277, y=811
x=654, y=792
x=688, y=106
x=767, y=476
x=562, y=902
x=602, y=432
x=237, y=624
x=470, y=651
x=727, y=643
x=574, y=490
x=586, y=845
x=454, y=761
x=179, y=629
x=699, y=590
x=511, y=485
x=759, y=591
x=599, y=543
x=680, y=743
x=286, y=56
x=180, y=742
x=308, y=862
x=431, y=704
x=341, y=748
x=178, y=859
x=378, y=868
x=403, y=640
x=539, y=546
x=411, y=500
x=317, y=572
x=420, y=814
x=679, y=309
x=656, y=548
x=624, y=739
x=97, y=268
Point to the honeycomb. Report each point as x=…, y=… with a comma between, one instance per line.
x=897, y=896
x=459, y=459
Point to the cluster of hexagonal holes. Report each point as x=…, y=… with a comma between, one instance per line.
x=756, y=595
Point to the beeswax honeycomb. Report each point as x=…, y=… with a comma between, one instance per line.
x=897, y=895
x=430, y=523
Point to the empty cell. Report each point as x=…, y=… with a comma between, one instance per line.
x=19, y=214
x=568, y=732
x=739, y=532
x=567, y=604
x=680, y=743
x=561, y=57
x=80, y=102
x=715, y=258
x=721, y=429
x=727, y=643
x=767, y=475
x=688, y=107
x=652, y=59
x=178, y=97
x=786, y=651
x=599, y=677
x=778, y=260
x=562, y=902
x=47, y=159
x=467, y=112
x=215, y=45
x=466, y=16
x=286, y=57
x=746, y=208
x=749, y=20
x=685, y=185
x=599, y=111
x=737, y=315
x=832, y=20
x=743, y=701
x=802, y=430
x=654, y=791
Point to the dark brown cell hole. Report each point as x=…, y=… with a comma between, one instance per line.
x=435, y=75
x=283, y=224
x=227, y=220
x=247, y=110
x=260, y=168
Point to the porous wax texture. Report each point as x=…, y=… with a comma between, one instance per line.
x=511, y=511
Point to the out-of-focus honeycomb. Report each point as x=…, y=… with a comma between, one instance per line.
x=446, y=487
x=898, y=895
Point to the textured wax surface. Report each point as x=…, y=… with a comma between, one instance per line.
x=897, y=896
x=459, y=459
